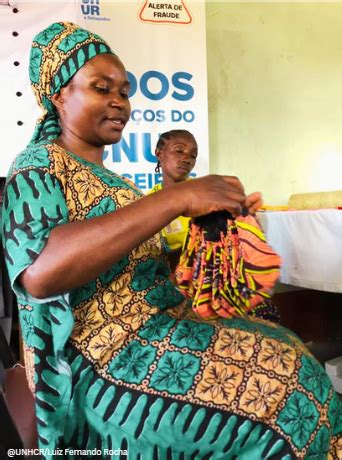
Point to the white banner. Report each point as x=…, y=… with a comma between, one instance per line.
x=163, y=46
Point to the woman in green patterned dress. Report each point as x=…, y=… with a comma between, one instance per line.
x=117, y=360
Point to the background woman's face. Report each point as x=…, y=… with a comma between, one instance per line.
x=178, y=157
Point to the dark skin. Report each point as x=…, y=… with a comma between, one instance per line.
x=93, y=110
x=177, y=158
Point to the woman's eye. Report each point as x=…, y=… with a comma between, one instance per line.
x=102, y=89
x=124, y=94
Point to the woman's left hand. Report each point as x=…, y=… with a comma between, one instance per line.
x=253, y=202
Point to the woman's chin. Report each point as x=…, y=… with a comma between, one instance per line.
x=112, y=139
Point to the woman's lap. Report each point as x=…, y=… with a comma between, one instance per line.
x=231, y=389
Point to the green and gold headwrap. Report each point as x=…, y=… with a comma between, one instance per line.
x=57, y=53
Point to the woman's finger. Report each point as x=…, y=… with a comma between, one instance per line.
x=254, y=202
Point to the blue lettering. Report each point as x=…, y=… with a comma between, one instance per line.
x=130, y=150
x=183, y=91
x=148, y=115
x=188, y=116
x=136, y=115
x=140, y=180
x=105, y=155
x=85, y=9
x=179, y=84
x=160, y=115
x=144, y=85
x=158, y=179
x=147, y=152
x=176, y=115
x=133, y=84
x=144, y=181
x=95, y=10
x=90, y=7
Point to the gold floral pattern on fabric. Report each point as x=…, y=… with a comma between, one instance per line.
x=138, y=315
x=116, y=295
x=83, y=189
x=277, y=356
x=234, y=343
x=262, y=395
x=219, y=383
x=124, y=197
x=338, y=449
x=87, y=187
x=87, y=318
x=103, y=345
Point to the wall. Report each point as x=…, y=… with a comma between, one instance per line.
x=275, y=95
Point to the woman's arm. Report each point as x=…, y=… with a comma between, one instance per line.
x=78, y=252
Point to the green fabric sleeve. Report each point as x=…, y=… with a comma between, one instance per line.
x=34, y=204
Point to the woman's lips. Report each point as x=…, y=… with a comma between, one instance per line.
x=116, y=123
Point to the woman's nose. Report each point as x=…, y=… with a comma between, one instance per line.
x=186, y=158
x=116, y=100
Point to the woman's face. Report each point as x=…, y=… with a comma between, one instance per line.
x=177, y=158
x=94, y=106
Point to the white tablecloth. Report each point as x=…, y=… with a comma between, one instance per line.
x=310, y=244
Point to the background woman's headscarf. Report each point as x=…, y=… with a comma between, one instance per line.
x=57, y=53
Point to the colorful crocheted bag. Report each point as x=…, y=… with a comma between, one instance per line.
x=226, y=267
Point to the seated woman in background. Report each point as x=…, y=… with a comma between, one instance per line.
x=119, y=360
x=177, y=151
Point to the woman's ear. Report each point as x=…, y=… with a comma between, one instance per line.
x=58, y=100
x=158, y=153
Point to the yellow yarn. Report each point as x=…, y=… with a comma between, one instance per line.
x=316, y=200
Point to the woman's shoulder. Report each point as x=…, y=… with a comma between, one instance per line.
x=44, y=156
x=36, y=156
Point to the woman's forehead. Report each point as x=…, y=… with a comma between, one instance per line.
x=182, y=139
x=104, y=66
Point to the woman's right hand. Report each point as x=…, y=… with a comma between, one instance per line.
x=210, y=193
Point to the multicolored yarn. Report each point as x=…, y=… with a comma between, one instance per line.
x=226, y=268
x=266, y=310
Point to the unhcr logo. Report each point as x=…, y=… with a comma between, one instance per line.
x=90, y=7
x=91, y=10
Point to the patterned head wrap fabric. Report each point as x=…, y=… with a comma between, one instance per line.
x=226, y=268
x=57, y=53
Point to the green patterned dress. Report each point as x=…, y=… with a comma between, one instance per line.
x=123, y=363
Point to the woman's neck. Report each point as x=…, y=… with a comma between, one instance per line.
x=81, y=148
x=167, y=181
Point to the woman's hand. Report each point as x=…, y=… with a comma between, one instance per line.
x=253, y=202
x=210, y=193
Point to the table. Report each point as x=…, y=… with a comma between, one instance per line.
x=310, y=245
